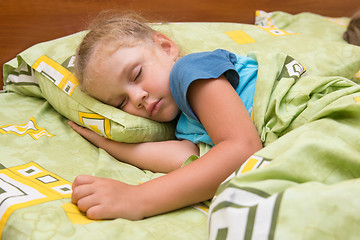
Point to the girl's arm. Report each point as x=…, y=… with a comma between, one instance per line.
x=226, y=120
x=163, y=156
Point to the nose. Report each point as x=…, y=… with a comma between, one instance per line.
x=138, y=97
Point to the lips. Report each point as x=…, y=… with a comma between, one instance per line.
x=153, y=108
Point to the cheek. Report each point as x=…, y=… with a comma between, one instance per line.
x=129, y=108
x=171, y=112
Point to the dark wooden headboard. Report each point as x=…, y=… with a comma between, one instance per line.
x=24, y=23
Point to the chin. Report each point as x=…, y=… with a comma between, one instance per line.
x=168, y=118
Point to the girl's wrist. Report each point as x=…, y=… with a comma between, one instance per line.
x=149, y=202
x=102, y=142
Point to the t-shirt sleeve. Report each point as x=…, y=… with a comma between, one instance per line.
x=204, y=65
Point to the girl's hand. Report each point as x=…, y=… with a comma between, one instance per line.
x=103, y=198
x=88, y=134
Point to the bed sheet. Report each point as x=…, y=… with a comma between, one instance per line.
x=41, y=156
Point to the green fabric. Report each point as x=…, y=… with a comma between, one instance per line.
x=323, y=27
x=308, y=189
x=67, y=155
x=284, y=102
x=303, y=184
x=310, y=169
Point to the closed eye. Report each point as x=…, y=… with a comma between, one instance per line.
x=122, y=104
x=138, y=74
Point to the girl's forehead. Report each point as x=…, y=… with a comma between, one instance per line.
x=102, y=60
x=106, y=52
x=106, y=48
x=102, y=52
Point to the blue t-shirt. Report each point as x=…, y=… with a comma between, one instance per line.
x=240, y=71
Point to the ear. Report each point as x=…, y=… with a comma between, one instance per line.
x=168, y=45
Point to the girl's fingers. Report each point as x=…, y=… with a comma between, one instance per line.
x=73, y=125
x=86, y=133
x=88, y=202
x=82, y=187
x=83, y=179
x=96, y=212
x=76, y=127
x=87, y=197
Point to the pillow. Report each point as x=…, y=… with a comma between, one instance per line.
x=37, y=72
x=33, y=72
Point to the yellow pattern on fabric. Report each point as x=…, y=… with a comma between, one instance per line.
x=249, y=165
x=74, y=214
x=56, y=73
x=202, y=208
x=357, y=99
x=240, y=37
x=276, y=31
x=252, y=163
x=357, y=76
x=27, y=185
x=96, y=122
x=30, y=128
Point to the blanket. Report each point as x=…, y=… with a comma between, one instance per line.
x=304, y=183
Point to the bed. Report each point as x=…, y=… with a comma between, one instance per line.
x=302, y=185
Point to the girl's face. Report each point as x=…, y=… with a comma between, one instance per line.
x=136, y=79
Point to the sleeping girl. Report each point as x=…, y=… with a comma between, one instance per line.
x=126, y=64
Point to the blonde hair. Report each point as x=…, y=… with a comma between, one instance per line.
x=113, y=30
x=352, y=34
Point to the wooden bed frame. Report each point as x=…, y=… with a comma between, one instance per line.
x=24, y=23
